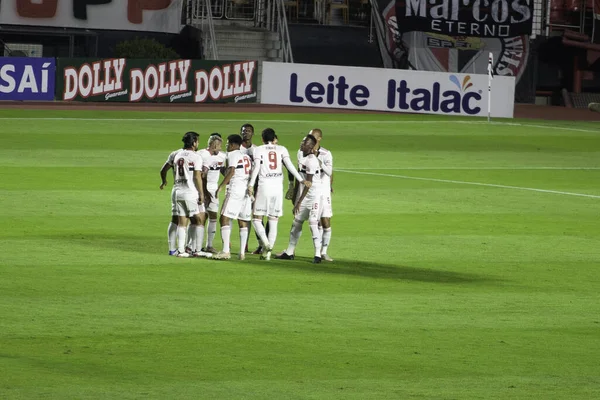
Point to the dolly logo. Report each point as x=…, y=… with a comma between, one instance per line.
x=465, y=83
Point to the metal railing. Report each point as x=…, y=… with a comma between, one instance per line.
x=276, y=21
x=203, y=10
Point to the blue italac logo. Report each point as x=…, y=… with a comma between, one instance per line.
x=463, y=100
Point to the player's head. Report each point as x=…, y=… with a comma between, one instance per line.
x=215, y=143
x=234, y=142
x=247, y=131
x=268, y=135
x=190, y=140
x=308, y=144
x=317, y=133
x=301, y=142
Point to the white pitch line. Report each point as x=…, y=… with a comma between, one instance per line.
x=475, y=169
x=280, y=121
x=471, y=183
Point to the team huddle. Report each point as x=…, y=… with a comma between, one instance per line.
x=253, y=182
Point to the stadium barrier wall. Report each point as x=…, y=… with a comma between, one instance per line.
x=393, y=90
x=168, y=81
x=25, y=78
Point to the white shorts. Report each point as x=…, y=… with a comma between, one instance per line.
x=311, y=209
x=237, y=206
x=327, y=211
x=269, y=203
x=187, y=205
x=213, y=204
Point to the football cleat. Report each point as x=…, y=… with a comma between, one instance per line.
x=258, y=250
x=242, y=257
x=326, y=257
x=316, y=260
x=210, y=250
x=266, y=253
x=284, y=256
x=222, y=256
x=182, y=255
x=172, y=252
x=202, y=254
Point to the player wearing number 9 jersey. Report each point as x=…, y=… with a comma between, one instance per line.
x=268, y=169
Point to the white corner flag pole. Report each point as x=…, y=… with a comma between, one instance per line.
x=490, y=77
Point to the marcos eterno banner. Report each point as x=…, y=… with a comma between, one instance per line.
x=168, y=81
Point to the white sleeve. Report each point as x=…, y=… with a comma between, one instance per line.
x=327, y=165
x=290, y=167
x=198, y=163
x=255, y=168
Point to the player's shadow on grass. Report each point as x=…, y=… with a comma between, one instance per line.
x=383, y=271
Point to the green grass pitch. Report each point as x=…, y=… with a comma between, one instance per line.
x=467, y=265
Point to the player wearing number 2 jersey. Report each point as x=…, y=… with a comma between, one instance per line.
x=268, y=169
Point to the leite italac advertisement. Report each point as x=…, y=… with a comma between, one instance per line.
x=27, y=78
x=169, y=81
x=386, y=90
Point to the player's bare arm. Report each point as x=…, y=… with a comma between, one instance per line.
x=225, y=182
x=163, y=174
x=205, y=183
x=198, y=184
x=309, y=178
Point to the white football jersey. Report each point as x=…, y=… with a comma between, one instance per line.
x=310, y=166
x=249, y=151
x=269, y=159
x=213, y=163
x=326, y=159
x=185, y=163
x=243, y=165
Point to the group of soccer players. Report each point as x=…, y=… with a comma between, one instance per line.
x=253, y=184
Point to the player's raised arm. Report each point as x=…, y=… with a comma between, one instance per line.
x=255, y=170
x=290, y=167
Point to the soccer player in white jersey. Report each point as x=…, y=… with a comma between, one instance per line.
x=326, y=163
x=268, y=168
x=237, y=203
x=189, y=194
x=172, y=230
x=214, y=165
x=309, y=202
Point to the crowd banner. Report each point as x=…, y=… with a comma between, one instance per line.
x=386, y=90
x=168, y=81
x=27, y=78
x=130, y=15
x=476, y=18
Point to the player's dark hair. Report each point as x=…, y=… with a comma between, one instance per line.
x=215, y=134
x=268, y=135
x=235, y=139
x=311, y=138
x=189, y=138
x=247, y=126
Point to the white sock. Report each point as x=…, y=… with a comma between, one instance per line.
x=172, y=235
x=212, y=231
x=321, y=230
x=190, y=237
x=181, y=231
x=295, y=234
x=226, y=236
x=272, y=232
x=326, y=239
x=243, y=240
x=260, y=231
x=316, y=238
x=199, y=237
